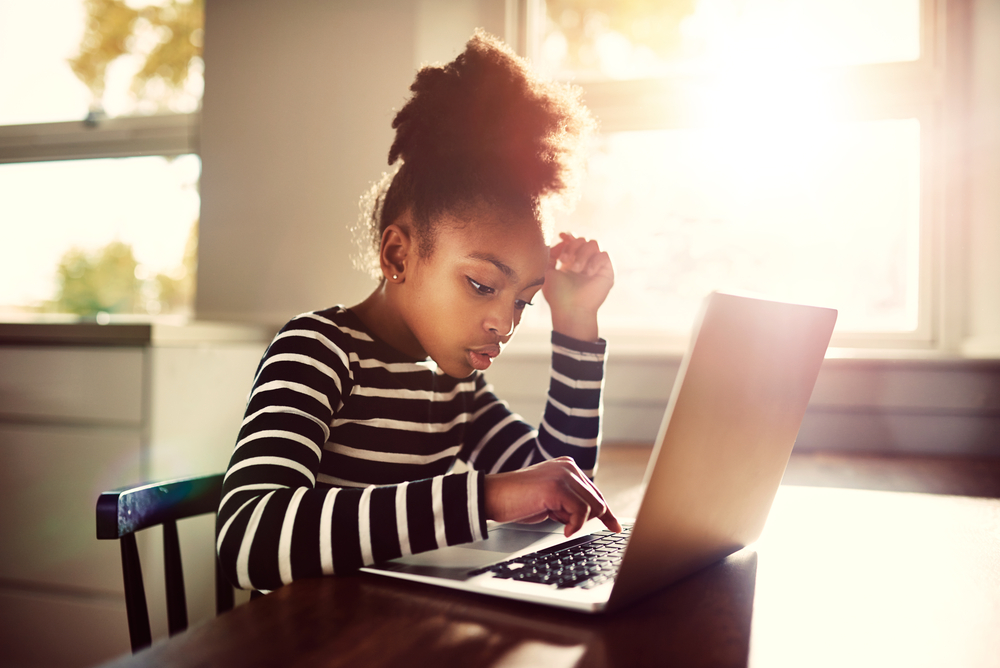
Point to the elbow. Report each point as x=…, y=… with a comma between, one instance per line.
x=226, y=553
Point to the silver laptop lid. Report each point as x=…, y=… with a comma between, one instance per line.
x=735, y=410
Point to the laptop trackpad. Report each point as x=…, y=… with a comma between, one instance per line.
x=455, y=562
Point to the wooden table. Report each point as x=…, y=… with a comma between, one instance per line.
x=841, y=577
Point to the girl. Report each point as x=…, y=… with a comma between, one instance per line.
x=358, y=414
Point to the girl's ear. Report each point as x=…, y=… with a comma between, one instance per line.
x=394, y=252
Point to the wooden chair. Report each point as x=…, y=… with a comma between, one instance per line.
x=122, y=512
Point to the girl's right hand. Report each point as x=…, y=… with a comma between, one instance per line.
x=577, y=282
x=555, y=489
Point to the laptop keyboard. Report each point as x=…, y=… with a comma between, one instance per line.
x=584, y=562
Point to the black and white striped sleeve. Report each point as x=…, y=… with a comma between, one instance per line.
x=500, y=440
x=275, y=524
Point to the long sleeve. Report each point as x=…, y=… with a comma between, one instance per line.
x=343, y=458
x=277, y=519
x=499, y=440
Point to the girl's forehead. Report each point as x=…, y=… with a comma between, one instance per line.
x=513, y=239
x=523, y=235
x=487, y=224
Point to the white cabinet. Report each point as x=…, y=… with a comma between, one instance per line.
x=76, y=420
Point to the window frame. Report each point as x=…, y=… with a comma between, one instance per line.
x=122, y=137
x=933, y=89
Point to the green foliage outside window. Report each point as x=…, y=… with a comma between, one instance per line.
x=104, y=281
x=110, y=280
x=115, y=29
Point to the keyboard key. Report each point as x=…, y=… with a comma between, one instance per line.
x=586, y=562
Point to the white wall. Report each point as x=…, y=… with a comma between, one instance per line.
x=296, y=122
x=299, y=100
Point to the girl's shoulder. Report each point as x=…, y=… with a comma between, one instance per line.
x=336, y=324
x=337, y=321
x=338, y=331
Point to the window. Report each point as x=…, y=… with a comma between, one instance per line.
x=98, y=165
x=789, y=148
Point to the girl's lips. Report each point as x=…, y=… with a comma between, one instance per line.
x=481, y=358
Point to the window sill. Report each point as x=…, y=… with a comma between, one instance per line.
x=532, y=344
x=164, y=134
x=156, y=333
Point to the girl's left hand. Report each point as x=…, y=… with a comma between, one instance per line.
x=577, y=282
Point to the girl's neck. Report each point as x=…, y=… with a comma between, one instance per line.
x=383, y=320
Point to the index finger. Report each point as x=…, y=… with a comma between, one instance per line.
x=598, y=507
x=555, y=251
x=610, y=521
x=603, y=511
x=607, y=516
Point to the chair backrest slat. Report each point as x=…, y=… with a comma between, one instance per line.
x=177, y=619
x=122, y=512
x=135, y=596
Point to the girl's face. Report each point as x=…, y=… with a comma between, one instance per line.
x=464, y=300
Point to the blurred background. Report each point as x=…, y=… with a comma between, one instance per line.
x=828, y=152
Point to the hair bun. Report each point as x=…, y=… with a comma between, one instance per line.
x=485, y=118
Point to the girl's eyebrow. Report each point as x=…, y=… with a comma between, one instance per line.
x=507, y=271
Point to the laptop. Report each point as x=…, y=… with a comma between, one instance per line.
x=734, y=412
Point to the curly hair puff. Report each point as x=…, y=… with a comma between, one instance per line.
x=482, y=128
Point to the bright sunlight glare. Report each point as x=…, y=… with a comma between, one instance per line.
x=585, y=42
x=724, y=34
x=822, y=213
x=769, y=184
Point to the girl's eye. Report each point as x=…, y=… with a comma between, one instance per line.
x=480, y=288
x=519, y=304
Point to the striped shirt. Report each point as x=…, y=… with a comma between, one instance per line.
x=344, y=455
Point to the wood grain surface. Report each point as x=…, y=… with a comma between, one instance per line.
x=840, y=577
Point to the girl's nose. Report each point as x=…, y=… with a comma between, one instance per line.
x=501, y=321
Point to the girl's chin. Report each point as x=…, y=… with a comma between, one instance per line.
x=461, y=368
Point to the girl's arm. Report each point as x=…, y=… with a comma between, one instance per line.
x=275, y=524
x=577, y=282
x=533, y=475
x=498, y=440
